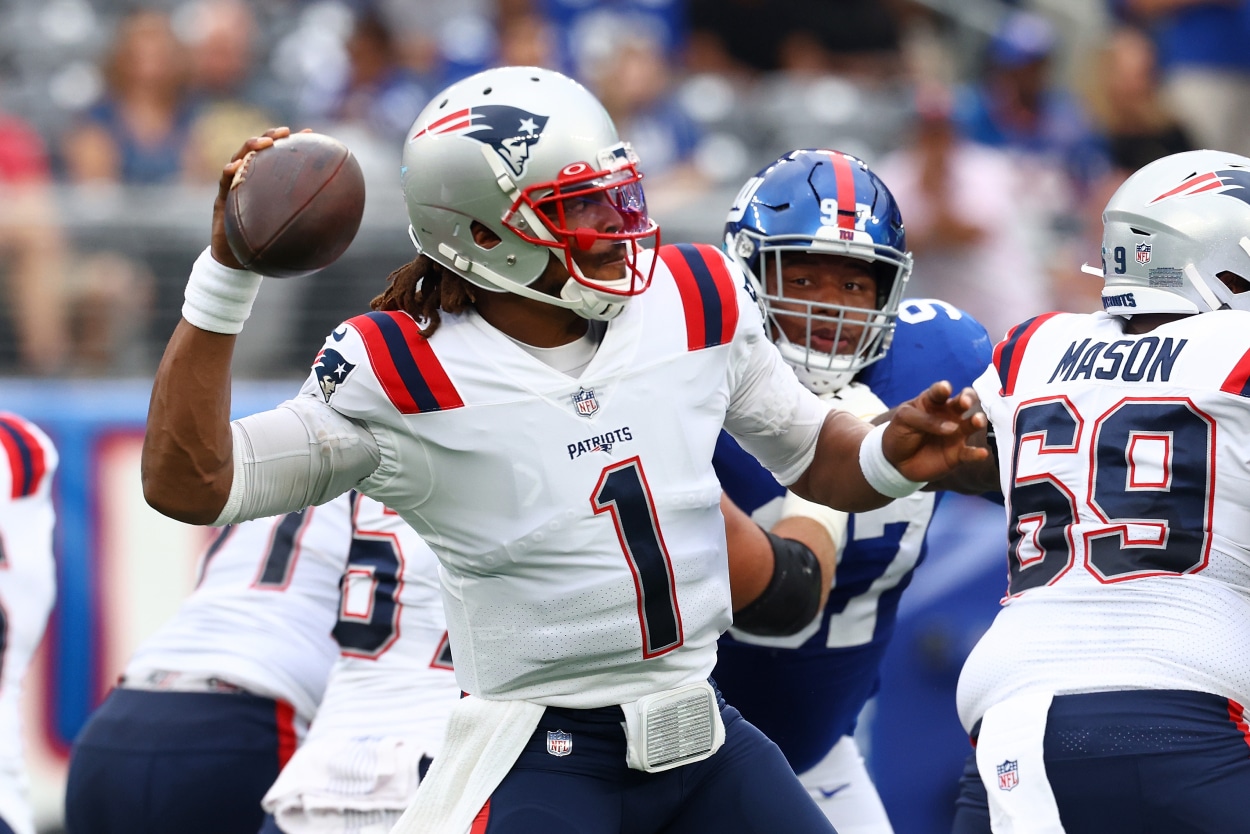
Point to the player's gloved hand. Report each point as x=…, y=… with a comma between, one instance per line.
x=858, y=399
x=928, y=436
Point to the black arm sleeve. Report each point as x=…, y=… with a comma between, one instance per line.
x=792, y=598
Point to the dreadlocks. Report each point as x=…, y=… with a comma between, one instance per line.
x=423, y=288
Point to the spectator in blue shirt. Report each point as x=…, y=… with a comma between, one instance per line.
x=1017, y=107
x=1204, y=58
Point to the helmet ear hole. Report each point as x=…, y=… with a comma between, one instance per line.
x=885, y=273
x=484, y=236
x=1235, y=283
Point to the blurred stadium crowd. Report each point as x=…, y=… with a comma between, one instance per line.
x=1000, y=127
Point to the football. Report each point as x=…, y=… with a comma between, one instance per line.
x=294, y=208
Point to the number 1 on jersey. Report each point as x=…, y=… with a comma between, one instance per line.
x=622, y=491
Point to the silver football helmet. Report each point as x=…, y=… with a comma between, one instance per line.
x=519, y=150
x=1170, y=231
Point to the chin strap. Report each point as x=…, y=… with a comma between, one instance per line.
x=573, y=296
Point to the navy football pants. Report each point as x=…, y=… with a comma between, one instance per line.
x=745, y=788
x=184, y=762
x=1137, y=762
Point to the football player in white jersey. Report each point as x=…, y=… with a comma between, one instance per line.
x=1109, y=693
x=212, y=705
x=539, y=396
x=822, y=240
x=28, y=462
x=390, y=693
x=384, y=714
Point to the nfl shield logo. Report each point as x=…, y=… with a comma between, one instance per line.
x=559, y=743
x=585, y=402
x=1143, y=253
x=1008, y=774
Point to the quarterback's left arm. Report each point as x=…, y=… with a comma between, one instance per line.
x=927, y=438
x=813, y=449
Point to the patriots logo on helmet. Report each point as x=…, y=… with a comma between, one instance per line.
x=332, y=371
x=511, y=131
x=1235, y=182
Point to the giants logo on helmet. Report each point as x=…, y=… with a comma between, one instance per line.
x=511, y=131
x=1235, y=182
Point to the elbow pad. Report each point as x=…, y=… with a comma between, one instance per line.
x=792, y=598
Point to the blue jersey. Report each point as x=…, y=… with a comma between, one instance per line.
x=806, y=691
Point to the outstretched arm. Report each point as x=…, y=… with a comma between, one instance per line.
x=926, y=439
x=187, y=463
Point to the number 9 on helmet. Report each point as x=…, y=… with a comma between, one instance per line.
x=1176, y=236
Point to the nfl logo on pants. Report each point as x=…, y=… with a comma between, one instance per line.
x=559, y=743
x=1008, y=774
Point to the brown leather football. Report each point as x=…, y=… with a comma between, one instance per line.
x=296, y=206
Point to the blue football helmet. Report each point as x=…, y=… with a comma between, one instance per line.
x=821, y=202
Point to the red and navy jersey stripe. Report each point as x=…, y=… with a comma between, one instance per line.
x=1009, y=353
x=1238, y=381
x=405, y=364
x=707, y=290
x=27, y=462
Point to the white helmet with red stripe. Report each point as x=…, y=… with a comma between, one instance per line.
x=1176, y=237
x=523, y=151
x=829, y=203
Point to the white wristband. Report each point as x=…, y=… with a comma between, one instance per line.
x=219, y=299
x=879, y=472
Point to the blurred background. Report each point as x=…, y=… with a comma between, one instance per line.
x=1000, y=127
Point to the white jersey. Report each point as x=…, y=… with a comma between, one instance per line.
x=28, y=462
x=577, y=520
x=261, y=613
x=1125, y=460
x=385, y=710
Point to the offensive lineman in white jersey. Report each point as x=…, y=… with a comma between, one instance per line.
x=28, y=462
x=547, y=426
x=1108, y=694
x=212, y=705
x=224, y=691
x=389, y=696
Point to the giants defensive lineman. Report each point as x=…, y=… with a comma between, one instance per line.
x=1109, y=693
x=823, y=243
x=28, y=462
x=544, y=414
